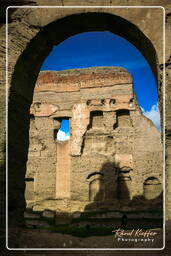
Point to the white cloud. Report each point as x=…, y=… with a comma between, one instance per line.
x=153, y=114
x=62, y=136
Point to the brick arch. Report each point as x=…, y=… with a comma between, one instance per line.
x=151, y=180
x=23, y=81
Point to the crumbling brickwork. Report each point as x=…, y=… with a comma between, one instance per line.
x=113, y=158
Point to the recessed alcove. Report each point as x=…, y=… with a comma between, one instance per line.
x=123, y=119
x=152, y=188
x=96, y=120
x=96, y=187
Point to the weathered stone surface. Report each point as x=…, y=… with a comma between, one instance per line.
x=48, y=214
x=74, y=80
x=32, y=215
x=76, y=215
x=63, y=171
x=114, y=155
x=43, y=109
x=36, y=224
x=28, y=48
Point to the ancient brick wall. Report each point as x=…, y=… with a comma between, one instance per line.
x=31, y=38
x=114, y=154
x=41, y=148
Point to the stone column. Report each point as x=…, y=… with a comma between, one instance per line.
x=63, y=169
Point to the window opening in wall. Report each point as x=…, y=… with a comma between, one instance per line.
x=63, y=133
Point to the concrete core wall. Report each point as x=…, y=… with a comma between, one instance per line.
x=113, y=158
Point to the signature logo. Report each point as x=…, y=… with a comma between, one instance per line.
x=134, y=235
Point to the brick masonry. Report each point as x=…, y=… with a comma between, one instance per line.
x=114, y=154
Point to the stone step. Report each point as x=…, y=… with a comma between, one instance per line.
x=31, y=215
x=48, y=214
x=119, y=215
x=37, y=224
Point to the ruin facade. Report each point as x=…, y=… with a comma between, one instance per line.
x=113, y=157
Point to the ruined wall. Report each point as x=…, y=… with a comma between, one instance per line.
x=31, y=38
x=41, y=148
x=113, y=158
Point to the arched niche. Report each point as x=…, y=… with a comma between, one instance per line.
x=152, y=188
x=124, y=183
x=23, y=77
x=96, y=187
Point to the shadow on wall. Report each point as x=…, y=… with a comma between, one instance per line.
x=110, y=188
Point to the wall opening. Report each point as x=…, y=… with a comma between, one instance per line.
x=96, y=120
x=123, y=119
x=61, y=130
x=152, y=188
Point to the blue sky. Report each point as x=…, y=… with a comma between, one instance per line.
x=107, y=49
x=64, y=131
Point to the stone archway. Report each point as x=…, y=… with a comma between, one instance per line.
x=23, y=71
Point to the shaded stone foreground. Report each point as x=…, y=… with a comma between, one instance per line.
x=113, y=159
